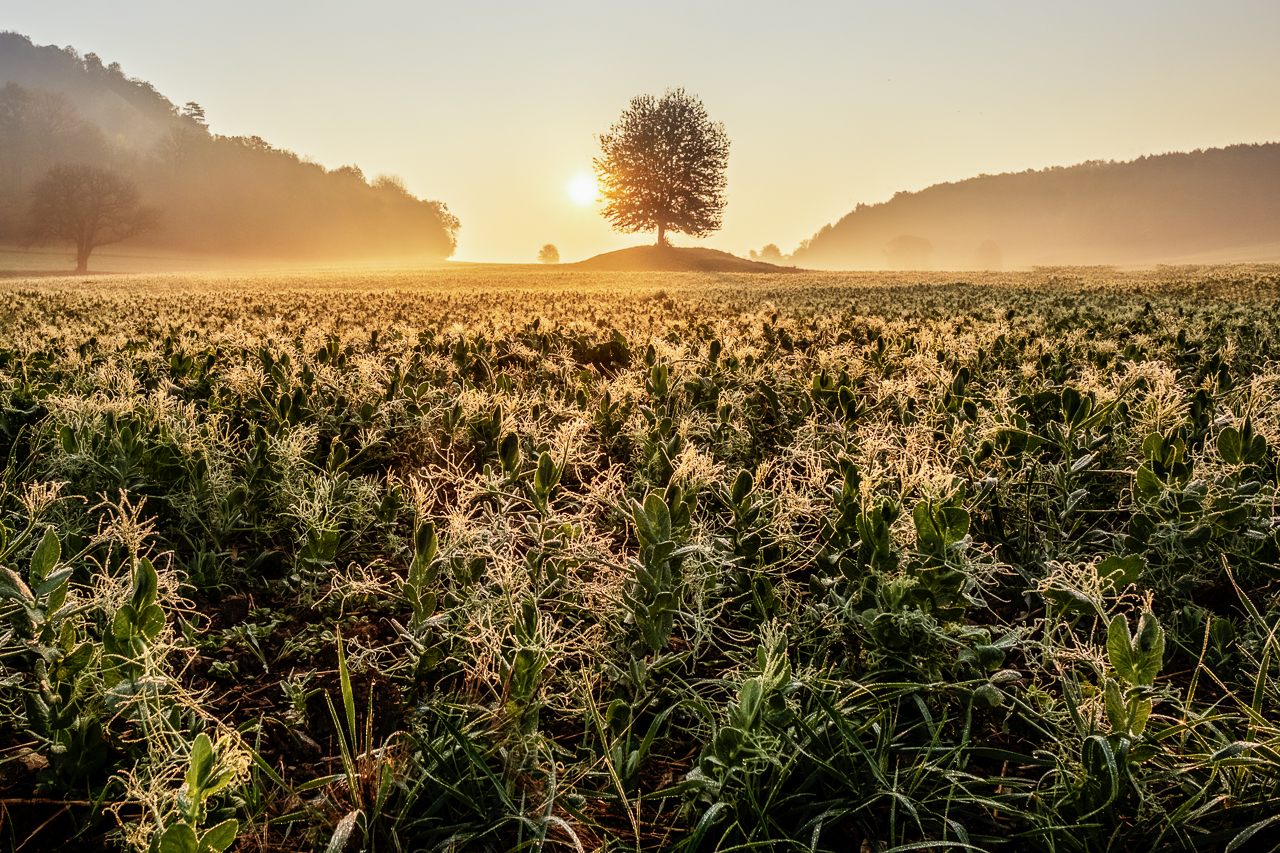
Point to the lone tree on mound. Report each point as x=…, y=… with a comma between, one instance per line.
x=662, y=167
x=88, y=206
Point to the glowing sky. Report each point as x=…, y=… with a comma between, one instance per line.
x=492, y=107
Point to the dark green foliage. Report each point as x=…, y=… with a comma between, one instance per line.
x=915, y=565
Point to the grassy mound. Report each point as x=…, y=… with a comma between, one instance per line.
x=673, y=259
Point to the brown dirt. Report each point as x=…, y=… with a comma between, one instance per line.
x=673, y=259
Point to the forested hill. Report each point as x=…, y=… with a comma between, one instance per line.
x=231, y=195
x=125, y=109
x=1220, y=204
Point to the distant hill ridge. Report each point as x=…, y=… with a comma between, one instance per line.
x=220, y=195
x=1219, y=204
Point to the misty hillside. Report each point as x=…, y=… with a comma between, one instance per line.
x=225, y=195
x=128, y=111
x=1221, y=204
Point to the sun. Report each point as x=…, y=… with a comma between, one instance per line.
x=583, y=189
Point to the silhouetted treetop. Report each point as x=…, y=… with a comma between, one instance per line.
x=662, y=167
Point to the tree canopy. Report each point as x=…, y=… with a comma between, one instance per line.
x=662, y=167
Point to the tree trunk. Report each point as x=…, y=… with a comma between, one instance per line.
x=82, y=260
x=662, y=233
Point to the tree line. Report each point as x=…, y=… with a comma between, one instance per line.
x=199, y=191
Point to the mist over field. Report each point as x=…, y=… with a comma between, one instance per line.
x=236, y=197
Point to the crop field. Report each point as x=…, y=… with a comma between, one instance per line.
x=501, y=559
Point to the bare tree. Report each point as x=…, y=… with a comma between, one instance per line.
x=89, y=207
x=662, y=167
x=549, y=254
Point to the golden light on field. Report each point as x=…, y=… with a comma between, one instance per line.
x=583, y=189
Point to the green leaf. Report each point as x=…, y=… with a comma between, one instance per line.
x=68, y=439
x=927, y=534
x=509, y=452
x=337, y=455
x=1147, y=486
x=1100, y=763
x=990, y=658
x=1148, y=650
x=1075, y=408
x=151, y=621
x=1232, y=749
x=200, y=768
x=78, y=658
x=122, y=626
x=1118, y=572
x=1117, y=714
x=659, y=517
x=742, y=486
x=661, y=551
x=529, y=618
x=547, y=476
x=1137, y=660
x=644, y=530
x=179, y=838
x=424, y=541
x=1071, y=600
x=45, y=557
x=342, y=832
x=219, y=837
x=1256, y=451
x=12, y=586
x=988, y=696
x=52, y=582
x=145, y=584
x=1139, y=711
x=750, y=696
x=1230, y=446
x=1120, y=650
x=953, y=522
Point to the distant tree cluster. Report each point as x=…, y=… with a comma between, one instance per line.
x=216, y=194
x=549, y=254
x=255, y=198
x=769, y=254
x=66, y=68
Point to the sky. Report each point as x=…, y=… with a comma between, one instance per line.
x=494, y=107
